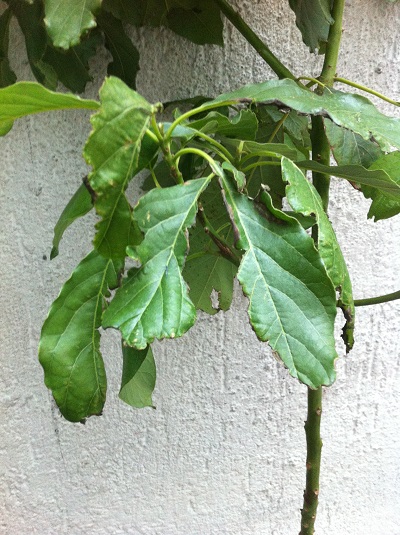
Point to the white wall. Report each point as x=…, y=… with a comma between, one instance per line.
x=224, y=452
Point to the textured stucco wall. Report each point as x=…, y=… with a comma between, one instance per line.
x=224, y=452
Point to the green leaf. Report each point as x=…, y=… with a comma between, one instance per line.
x=375, y=177
x=113, y=150
x=26, y=98
x=78, y=206
x=67, y=21
x=313, y=18
x=138, y=376
x=197, y=20
x=241, y=126
x=304, y=198
x=7, y=75
x=240, y=178
x=206, y=270
x=125, y=64
x=349, y=148
x=125, y=10
x=292, y=300
x=154, y=302
x=352, y=111
x=384, y=206
x=49, y=64
x=69, y=348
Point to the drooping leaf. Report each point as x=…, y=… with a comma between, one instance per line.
x=138, y=376
x=50, y=64
x=349, y=148
x=384, y=206
x=69, y=348
x=374, y=176
x=113, y=150
x=25, y=98
x=7, y=75
x=66, y=22
x=304, y=198
x=78, y=206
x=197, y=20
x=72, y=66
x=206, y=269
x=292, y=300
x=154, y=302
x=313, y=18
x=349, y=110
x=125, y=10
x=125, y=64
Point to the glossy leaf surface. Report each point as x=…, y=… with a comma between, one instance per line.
x=351, y=111
x=154, y=302
x=113, y=150
x=292, y=302
x=69, y=348
x=138, y=376
x=78, y=206
x=25, y=98
x=304, y=198
x=67, y=21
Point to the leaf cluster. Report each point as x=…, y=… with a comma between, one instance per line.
x=226, y=195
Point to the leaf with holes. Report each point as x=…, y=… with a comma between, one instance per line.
x=206, y=269
x=114, y=150
x=154, y=302
x=292, y=302
x=69, y=348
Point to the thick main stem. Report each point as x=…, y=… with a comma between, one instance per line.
x=252, y=38
x=321, y=153
x=314, y=447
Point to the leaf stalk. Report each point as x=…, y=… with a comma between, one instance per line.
x=377, y=300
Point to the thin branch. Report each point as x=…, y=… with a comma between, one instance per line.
x=377, y=300
x=367, y=90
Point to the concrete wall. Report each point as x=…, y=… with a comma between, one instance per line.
x=224, y=452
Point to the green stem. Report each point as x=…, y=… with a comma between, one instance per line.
x=218, y=148
x=377, y=300
x=252, y=38
x=367, y=90
x=201, y=153
x=201, y=109
x=332, y=48
x=166, y=150
x=259, y=164
x=321, y=153
x=313, y=464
